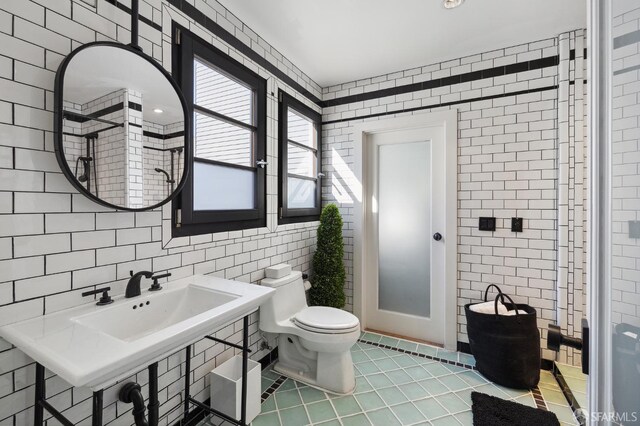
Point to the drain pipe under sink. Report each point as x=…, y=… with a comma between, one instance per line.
x=131, y=393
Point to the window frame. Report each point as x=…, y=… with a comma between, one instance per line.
x=286, y=214
x=187, y=221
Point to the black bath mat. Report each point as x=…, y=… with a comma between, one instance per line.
x=491, y=411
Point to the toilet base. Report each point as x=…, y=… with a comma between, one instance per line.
x=291, y=374
x=336, y=371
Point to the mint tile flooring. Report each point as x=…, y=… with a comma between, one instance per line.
x=577, y=382
x=395, y=388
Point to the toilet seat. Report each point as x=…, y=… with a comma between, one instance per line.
x=323, y=319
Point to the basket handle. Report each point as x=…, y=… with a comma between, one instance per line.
x=510, y=300
x=486, y=292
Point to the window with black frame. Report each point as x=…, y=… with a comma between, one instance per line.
x=300, y=160
x=226, y=189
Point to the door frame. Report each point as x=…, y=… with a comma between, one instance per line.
x=448, y=121
x=599, y=290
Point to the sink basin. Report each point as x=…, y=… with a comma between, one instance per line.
x=146, y=315
x=95, y=346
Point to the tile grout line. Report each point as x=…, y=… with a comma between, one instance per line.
x=302, y=403
x=568, y=394
x=420, y=355
x=409, y=400
x=376, y=391
x=535, y=392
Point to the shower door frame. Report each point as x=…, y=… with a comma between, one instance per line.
x=448, y=122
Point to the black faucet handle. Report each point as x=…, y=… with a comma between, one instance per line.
x=147, y=274
x=156, y=285
x=105, y=299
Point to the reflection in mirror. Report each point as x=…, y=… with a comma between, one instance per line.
x=122, y=127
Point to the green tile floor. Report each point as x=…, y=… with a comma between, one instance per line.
x=577, y=382
x=395, y=388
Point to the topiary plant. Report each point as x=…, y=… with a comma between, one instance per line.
x=327, y=280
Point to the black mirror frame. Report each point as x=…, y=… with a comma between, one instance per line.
x=58, y=115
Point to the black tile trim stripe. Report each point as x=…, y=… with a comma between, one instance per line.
x=534, y=64
x=69, y=115
x=464, y=347
x=274, y=387
x=144, y=19
x=568, y=394
x=572, y=54
x=247, y=51
x=626, y=39
x=134, y=106
x=269, y=358
x=420, y=355
x=160, y=135
x=539, y=399
x=443, y=104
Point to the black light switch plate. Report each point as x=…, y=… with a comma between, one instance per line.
x=634, y=229
x=516, y=224
x=487, y=224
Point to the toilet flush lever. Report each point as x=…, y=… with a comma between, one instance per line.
x=437, y=236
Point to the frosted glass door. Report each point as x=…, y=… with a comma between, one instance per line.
x=405, y=183
x=404, y=226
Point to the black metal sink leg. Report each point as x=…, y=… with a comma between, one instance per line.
x=40, y=395
x=96, y=417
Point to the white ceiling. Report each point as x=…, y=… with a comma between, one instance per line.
x=99, y=70
x=337, y=41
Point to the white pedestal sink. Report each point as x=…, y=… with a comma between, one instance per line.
x=95, y=346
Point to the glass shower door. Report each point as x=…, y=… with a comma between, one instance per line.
x=614, y=380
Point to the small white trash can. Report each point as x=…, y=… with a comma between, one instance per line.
x=226, y=388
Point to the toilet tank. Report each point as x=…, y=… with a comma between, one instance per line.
x=288, y=299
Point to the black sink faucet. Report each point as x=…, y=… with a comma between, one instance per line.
x=133, y=286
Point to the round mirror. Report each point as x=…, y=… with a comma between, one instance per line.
x=121, y=127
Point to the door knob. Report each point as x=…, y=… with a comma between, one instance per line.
x=437, y=236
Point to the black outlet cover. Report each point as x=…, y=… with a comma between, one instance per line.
x=516, y=224
x=487, y=224
x=634, y=229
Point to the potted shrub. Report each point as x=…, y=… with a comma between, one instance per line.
x=327, y=280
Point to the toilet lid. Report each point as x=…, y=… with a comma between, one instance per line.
x=325, y=318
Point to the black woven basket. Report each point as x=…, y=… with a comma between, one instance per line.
x=506, y=348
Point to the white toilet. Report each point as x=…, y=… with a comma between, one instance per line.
x=314, y=343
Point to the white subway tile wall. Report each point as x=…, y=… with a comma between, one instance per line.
x=508, y=165
x=625, y=253
x=572, y=189
x=55, y=243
